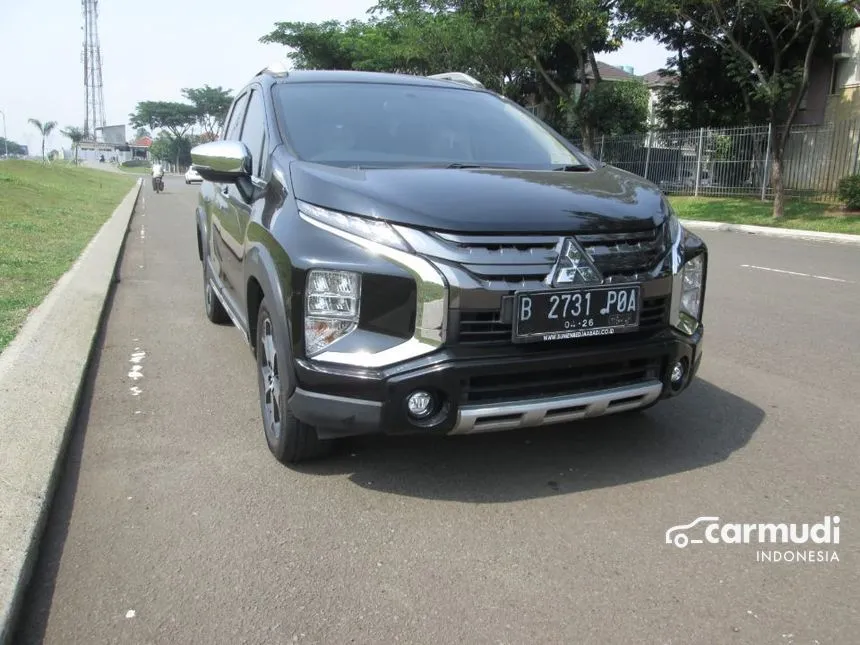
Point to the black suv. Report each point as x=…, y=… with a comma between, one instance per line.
x=409, y=254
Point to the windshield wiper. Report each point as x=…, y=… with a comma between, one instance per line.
x=580, y=167
x=463, y=165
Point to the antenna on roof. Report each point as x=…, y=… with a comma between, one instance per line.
x=458, y=77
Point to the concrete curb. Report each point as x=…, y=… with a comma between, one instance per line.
x=38, y=405
x=768, y=231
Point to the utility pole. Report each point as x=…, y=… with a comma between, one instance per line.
x=5, y=140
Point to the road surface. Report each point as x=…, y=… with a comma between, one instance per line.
x=173, y=524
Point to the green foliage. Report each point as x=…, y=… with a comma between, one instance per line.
x=45, y=129
x=211, y=105
x=617, y=107
x=176, y=118
x=14, y=148
x=174, y=149
x=76, y=135
x=848, y=192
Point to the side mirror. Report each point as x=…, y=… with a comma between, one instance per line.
x=222, y=162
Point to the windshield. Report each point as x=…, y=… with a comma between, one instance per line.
x=379, y=125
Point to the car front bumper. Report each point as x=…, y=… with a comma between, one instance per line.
x=499, y=389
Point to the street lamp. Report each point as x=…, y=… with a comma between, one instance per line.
x=5, y=140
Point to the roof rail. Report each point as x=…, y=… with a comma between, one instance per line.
x=277, y=68
x=458, y=77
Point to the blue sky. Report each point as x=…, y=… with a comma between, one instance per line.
x=214, y=42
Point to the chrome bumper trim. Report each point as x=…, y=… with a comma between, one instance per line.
x=473, y=419
x=431, y=315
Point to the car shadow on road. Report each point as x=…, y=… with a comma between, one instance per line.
x=702, y=427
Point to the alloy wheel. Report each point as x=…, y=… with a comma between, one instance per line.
x=271, y=376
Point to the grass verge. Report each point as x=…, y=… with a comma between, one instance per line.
x=48, y=214
x=804, y=215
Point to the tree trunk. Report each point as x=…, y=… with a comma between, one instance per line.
x=776, y=179
x=43, y=149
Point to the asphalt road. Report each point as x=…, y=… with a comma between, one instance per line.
x=173, y=524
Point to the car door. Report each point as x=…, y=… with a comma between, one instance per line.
x=224, y=221
x=241, y=200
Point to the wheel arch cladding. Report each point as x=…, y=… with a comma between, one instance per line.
x=263, y=281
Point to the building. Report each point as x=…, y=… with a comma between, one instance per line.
x=656, y=82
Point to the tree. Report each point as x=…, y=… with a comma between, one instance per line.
x=76, y=135
x=617, y=107
x=767, y=48
x=140, y=133
x=45, y=130
x=175, y=118
x=13, y=147
x=211, y=105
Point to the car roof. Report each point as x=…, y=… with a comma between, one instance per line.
x=353, y=76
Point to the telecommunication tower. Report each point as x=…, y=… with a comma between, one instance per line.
x=92, y=59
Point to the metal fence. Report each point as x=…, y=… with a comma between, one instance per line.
x=737, y=161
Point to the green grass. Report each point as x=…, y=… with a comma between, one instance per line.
x=48, y=214
x=799, y=214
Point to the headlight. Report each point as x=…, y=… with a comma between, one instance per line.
x=332, y=300
x=687, y=300
x=691, y=287
x=369, y=229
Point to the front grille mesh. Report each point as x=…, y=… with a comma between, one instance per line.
x=526, y=384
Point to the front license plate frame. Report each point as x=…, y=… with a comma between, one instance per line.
x=614, y=323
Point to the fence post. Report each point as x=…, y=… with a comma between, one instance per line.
x=648, y=153
x=856, y=149
x=765, y=171
x=602, y=141
x=699, y=162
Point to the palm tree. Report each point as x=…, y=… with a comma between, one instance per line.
x=76, y=135
x=44, y=129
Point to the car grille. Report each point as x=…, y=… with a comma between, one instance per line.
x=507, y=261
x=527, y=384
x=486, y=327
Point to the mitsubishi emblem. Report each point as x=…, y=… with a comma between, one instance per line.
x=573, y=266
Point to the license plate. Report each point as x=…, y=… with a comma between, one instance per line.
x=580, y=313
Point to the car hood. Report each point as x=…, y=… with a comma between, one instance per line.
x=486, y=200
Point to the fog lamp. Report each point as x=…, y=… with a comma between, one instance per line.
x=677, y=374
x=420, y=404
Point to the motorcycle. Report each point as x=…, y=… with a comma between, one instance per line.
x=158, y=184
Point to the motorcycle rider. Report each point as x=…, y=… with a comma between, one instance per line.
x=157, y=173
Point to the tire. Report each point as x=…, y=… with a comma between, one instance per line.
x=215, y=311
x=291, y=441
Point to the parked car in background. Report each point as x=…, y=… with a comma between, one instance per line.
x=420, y=255
x=192, y=176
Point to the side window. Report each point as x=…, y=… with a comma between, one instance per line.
x=234, y=125
x=254, y=131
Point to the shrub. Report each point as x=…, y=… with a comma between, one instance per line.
x=136, y=163
x=849, y=192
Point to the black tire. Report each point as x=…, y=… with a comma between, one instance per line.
x=215, y=311
x=290, y=440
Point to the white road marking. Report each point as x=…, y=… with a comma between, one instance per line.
x=130, y=613
x=804, y=275
x=136, y=371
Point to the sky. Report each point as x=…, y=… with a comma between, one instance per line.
x=151, y=50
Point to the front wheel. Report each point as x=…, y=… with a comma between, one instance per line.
x=290, y=440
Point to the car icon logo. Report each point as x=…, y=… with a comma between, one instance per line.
x=677, y=535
